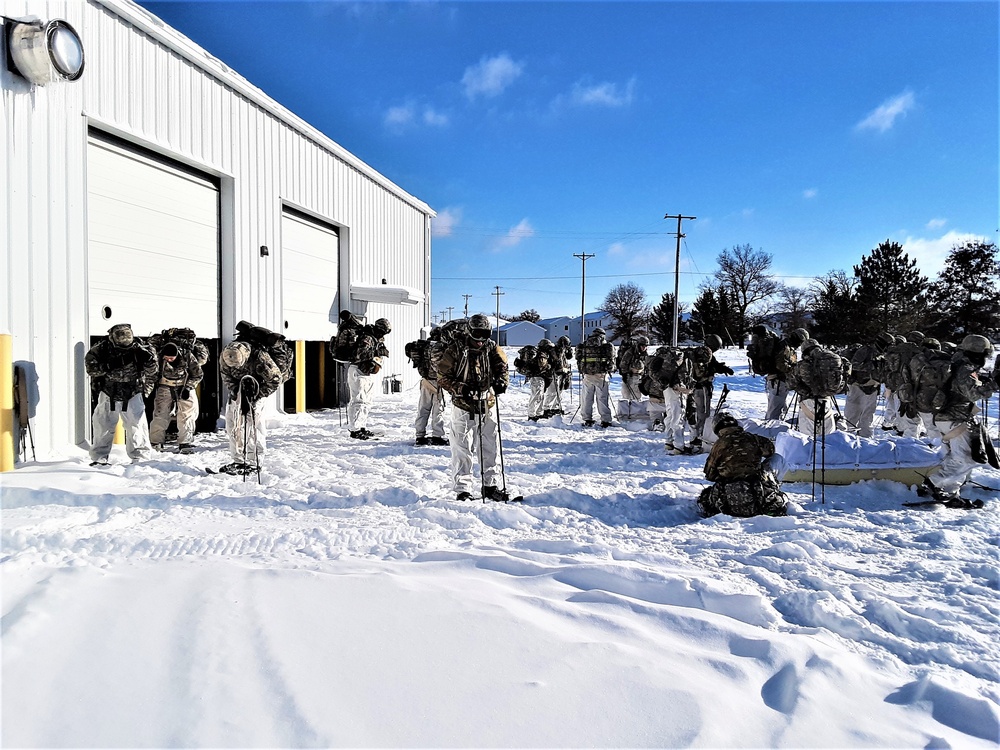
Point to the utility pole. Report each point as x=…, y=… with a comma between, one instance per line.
x=466, y=304
x=449, y=311
x=435, y=317
x=677, y=273
x=583, y=293
x=498, y=294
x=443, y=319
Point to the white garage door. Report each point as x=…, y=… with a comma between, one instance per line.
x=153, y=243
x=310, y=276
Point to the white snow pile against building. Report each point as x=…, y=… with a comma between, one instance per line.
x=348, y=600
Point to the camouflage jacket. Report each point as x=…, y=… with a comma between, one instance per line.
x=867, y=368
x=122, y=372
x=462, y=369
x=704, y=366
x=370, y=351
x=737, y=455
x=260, y=366
x=560, y=362
x=964, y=389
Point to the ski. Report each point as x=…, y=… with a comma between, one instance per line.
x=954, y=504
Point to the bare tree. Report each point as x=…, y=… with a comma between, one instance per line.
x=627, y=304
x=793, y=304
x=531, y=316
x=743, y=272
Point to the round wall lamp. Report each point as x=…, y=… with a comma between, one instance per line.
x=44, y=52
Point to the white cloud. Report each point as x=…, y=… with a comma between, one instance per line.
x=616, y=248
x=603, y=94
x=810, y=193
x=434, y=118
x=930, y=253
x=936, y=223
x=398, y=117
x=491, y=76
x=884, y=116
x=445, y=222
x=515, y=235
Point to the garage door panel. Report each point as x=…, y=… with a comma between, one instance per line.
x=310, y=277
x=153, y=243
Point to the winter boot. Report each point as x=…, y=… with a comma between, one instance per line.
x=495, y=494
x=438, y=440
x=422, y=440
x=463, y=496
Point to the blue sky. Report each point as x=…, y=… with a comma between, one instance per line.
x=810, y=130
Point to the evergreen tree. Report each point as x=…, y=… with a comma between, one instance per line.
x=661, y=321
x=891, y=291
x=966, y=296
x=627, y=304
x=835, y=312
x=531, y=316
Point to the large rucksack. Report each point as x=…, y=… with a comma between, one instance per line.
x=820, y=373
x=764, y=352
x=930, y=376
x=343, y=346
x=595, y=359
x=419, y=353
x=897, y=369
x=630, y=359
x=527, y=361
x=673, y=370
x=274, y=344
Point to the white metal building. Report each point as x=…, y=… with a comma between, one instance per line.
x=162, y=189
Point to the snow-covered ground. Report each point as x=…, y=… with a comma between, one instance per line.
x=348, y=600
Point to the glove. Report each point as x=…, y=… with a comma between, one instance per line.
x=470, y=393
x=729, y=371
x=249, y=388
x=499, y=387
x=185, y=393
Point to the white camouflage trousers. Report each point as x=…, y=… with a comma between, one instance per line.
x=630, y=387
x=536, y=397
x=466, y=429
x=163, y=407
x=860, y=409
x=246, y=431
x=430, y=409
x=105, y=420
x=595, y=388
x=807, y=416
x=362, y=389
x=673, y=417
x=552, y=399
x=777, y=396
x=958, y=462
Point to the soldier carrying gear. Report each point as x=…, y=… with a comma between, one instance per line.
x=864, y=383
x=738, y=464
x=180, y=357
x=123, y=372
x=954, y=421
x=596, y=360
x=562, y=369
x=631, y=362
x=817, y=377
x=774, y=359
x=430, y=402
x=250, y=373
x=548, y=362
x=369, y=354
x=473, y=369
x=704, y=368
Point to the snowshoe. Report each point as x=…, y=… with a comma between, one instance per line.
x=185, y=448
x=605, y=425
x=463, y=496
x=498, y=495
x=588, y=423
x=238, y=469
x=362, y=434
x=100, y=463
x=436, y=440
x=420, y=441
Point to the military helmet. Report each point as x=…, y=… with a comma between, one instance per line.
x=544, y=344
x=931, y=343
x=915, y=337
x=759, y=330
x=382, y=326
x=564, y=341
x=885, y=339
x=798, y=336
x=725, y=422
x=642, y=341
x=900, y=339
x=976, y=344
x=713, y=342
x=480, y=327
x=808, y=345
x=949, y=347
x=236, y=354
x=599, y=332
x=121, y=335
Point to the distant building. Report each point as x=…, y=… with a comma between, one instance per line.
x=521, y=333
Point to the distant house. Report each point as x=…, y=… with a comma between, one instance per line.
x=556, y=327
x=591, y=321
x=521, y=333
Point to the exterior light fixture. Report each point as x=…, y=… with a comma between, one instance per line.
x=44, y=52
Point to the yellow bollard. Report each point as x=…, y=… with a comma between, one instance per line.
x=300, y=377
x=120, y=432
x=6, y=402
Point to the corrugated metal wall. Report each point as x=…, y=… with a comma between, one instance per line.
x=152, y=86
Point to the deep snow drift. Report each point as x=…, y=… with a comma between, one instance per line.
x=348, y=600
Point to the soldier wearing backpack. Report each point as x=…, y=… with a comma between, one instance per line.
x=631, y=362
x=865, y=382
x=562, y=369
x=774, y=357
x=704, y=368
x=817, y=377
x=473, y=369
x=181, y=357
x=738, y=465
x=430, y=402
x=369, y=353
x=953, y=420
x=551, y=399
x=671, y=369
x=649, y=385
x=533, y=362
x=122, y=368
x=898, y=380
x=596, y=360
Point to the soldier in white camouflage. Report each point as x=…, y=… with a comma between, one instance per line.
x=181, y=358
x=123, y=370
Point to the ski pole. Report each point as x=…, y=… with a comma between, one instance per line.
x=822, y=412
x=503, y=472
x=480, y=405
x=814, y=452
